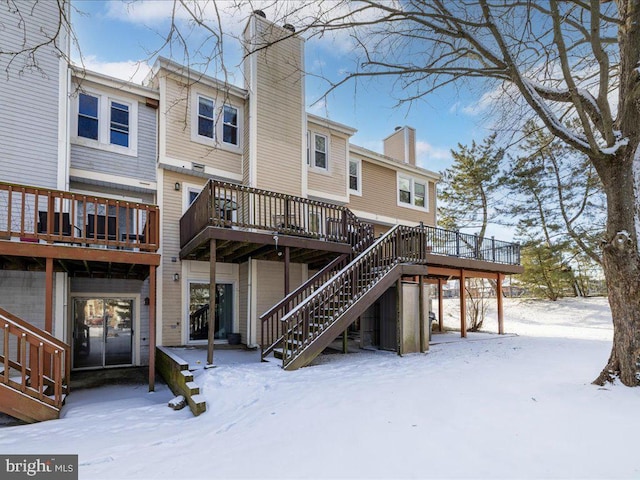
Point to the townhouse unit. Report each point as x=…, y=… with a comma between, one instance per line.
x=190, y=211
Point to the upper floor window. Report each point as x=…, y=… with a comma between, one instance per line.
x=355, y=176
x=205, y=117
x=119, y=124
x=319, y=152
x=412, y=192
x=230, y=125
x=106, y=123
x=88, y=116
x=215, y=124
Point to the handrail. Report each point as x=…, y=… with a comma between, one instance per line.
x=318, y=311
x=272, y=332
x=42, y=214
x=232, y=205
x=39, y=359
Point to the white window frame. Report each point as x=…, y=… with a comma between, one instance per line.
x=218, y=123
x=196, y=125
x=311, y=147
x=237, y=126
x=358, y=163
x=412, y=190
x=104, y=123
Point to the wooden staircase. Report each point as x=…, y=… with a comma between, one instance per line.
x=310, y=326
x=34, y=374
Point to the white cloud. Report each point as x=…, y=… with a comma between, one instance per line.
x=129, y=70
x=432, y=157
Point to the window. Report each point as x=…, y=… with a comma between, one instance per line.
x=88, y=116
x=119, y=124
x=355, y=176
x=319, y=151
x=412, y=193
x=205, y=117
x=404, y=187
x=419, y=191
x=230, y=125
x=106, y=123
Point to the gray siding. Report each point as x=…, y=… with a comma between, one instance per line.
x=23, y=294
x=105, y=286
x=142, y=167
x=29, y=98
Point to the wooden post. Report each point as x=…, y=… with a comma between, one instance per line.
x=399, y=330
x=287, y=264
x=499, y=299
x=463, y=305
x=440, y=306
x=421, y=312
x=152, y=328
x=212, y=300
x=345, y=341
x=48, y=301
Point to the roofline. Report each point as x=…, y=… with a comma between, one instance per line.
x=390, y=162
x=340, y=127
x=199, y=77
x=113, y=82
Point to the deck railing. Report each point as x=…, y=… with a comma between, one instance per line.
x=33, y=361
x=34, y=214
x=222, y=204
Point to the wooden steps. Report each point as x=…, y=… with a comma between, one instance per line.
x=24, y=407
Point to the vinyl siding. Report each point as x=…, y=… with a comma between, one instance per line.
x=180, y=145
x=106, y=287
x=379, y=196
x=334, y=180
x=171, y=295
x=243, y=309
x=270, y=286
x=29, y=100
x=280, y=109
x=394, y=146
x=141, y=167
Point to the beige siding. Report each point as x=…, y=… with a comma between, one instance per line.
x=379, y=196
x=270, y=286
x=280, y=108
x=243, y=290
x=179, y=141
x=394, y=145
x=412, y=146
x=334, y=180
x=171, y=295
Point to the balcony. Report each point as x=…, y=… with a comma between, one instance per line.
x=84, y=234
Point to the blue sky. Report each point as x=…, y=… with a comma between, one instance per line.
x=113, y=36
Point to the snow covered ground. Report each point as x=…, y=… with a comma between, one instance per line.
x=519, y=406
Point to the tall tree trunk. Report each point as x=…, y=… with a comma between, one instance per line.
x=621, y=177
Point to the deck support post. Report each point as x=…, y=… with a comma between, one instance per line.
x=499, y=300
x=287, y=265
x=399, y=331
x=421, y=313
x=48, y=301
x=345, y=341
x=152, y=328
x=212, y=300
x=463, y=305
x=440, y=306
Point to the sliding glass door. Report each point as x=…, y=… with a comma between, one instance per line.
x=199, y=311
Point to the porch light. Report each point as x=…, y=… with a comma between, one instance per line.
x=177, y=186
x=176, y=277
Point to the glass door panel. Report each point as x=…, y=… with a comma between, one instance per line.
x=199, y=311
x=102, y=332
x=118, y=332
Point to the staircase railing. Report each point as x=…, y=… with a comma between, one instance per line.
x=33, y=361
x=308, y=320
x=272, y=327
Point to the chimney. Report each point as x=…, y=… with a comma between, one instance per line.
x=401, y=145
